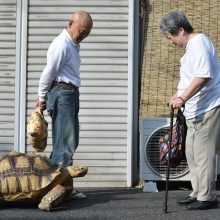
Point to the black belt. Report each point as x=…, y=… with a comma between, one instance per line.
x=65, y=85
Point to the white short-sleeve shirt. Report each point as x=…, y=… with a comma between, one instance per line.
x=200, y=60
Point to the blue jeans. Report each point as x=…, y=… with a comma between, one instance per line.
x=63, y=107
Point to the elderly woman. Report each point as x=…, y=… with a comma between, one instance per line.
x=199, y=91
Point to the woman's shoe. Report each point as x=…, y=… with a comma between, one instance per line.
x=201, y=205
x=188, y=200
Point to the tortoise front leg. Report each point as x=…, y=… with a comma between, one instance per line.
x=53, y=198
x=69, y=186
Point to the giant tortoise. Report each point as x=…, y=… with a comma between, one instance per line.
x=32, y=177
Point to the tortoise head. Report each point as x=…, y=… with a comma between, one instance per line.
x=77, y=171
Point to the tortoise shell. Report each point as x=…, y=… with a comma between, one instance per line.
x=25, y=175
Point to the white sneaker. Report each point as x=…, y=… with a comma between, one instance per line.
x=77, y=195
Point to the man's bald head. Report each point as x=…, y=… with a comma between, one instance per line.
x=82, y=17
x=80, y=25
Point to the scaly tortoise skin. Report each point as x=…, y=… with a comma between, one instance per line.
x=32, y=177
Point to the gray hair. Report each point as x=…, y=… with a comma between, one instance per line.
x=173, y=21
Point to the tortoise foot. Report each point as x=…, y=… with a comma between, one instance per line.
x=53, y=198
x=44, y=205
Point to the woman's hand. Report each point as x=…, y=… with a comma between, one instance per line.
x=176, y=102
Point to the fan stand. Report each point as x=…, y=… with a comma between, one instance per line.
x=150, y=186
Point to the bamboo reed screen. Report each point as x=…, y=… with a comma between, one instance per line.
x=160, y=67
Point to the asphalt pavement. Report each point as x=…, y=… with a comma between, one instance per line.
x=115, y=204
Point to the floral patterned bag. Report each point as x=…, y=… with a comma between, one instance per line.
x=37, y=130
x=177, y=153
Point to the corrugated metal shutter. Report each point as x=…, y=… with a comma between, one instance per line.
x=103, y=113
x=7, y=74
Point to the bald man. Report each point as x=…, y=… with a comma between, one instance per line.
x=59, y=89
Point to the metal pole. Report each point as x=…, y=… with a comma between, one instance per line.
x=168, y=164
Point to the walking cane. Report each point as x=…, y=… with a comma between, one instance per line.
x=168, y=163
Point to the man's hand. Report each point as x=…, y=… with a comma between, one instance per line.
x=40, y=105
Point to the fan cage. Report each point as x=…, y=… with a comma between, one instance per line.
x=152, y=156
